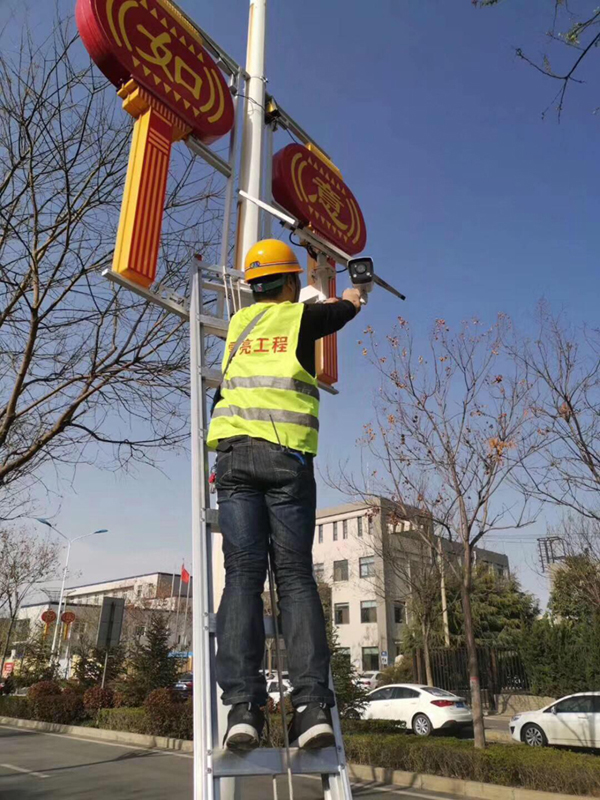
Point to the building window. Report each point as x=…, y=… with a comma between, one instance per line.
x=398, y=646
x=370, y=659
x=345, y=653
x=367, y=567
x=320, y=534
x=360, y=528
x=138, y=590
x=345, y=529
x=340, y=570
x=399, y=612
x=341, y=614
x=140, y=630
x=319, y=570
x=371, y=523
x=368, y=611
x=335, y=531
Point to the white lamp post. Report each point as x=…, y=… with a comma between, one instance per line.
x=64, y=578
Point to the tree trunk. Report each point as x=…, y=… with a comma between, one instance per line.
x=7, y=643
x=476, y=704
x=427, y=654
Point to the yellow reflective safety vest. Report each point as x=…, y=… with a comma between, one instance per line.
x=267, y=393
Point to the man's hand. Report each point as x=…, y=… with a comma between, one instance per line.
x=332, y=300
x=354, y=296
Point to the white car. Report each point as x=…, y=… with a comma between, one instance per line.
x=273, y=689
x=423, y=709
x=573, y=720
x=368, y=680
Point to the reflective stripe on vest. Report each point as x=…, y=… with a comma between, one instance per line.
x=269, y=415
x=267, y=393
x=267, y=382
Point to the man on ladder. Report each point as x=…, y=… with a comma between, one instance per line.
x=265, y=430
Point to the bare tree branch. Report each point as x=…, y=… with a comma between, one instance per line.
x=88, y=373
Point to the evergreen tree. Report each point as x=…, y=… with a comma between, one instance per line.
x=36, y=665
x=575, y=592
x=89, y=664
x=502, y=613
x=150, y=666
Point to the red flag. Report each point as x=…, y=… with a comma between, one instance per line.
x=185, y=575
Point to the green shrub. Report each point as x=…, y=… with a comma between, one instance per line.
x=161, y=719
x=43, y=689
x=72, y=687
x=63, y=709
x=167, y=715
x=381, y=726
x=402, y=672
x=504, y=764
x=96, y=698
x=131, y=720
x=17, y=707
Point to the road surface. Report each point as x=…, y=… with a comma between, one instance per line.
x=56, y=767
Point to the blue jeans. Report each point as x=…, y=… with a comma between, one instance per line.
x=267, y=499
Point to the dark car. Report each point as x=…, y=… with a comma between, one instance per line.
x=185, y=684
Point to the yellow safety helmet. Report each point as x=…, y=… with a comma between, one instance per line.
x=270, y=257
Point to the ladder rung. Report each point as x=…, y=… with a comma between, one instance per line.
x=215, y=286
x=212, y=377
x=214, y=325
x=212, y=516
x=217, y=269
x=273, y=761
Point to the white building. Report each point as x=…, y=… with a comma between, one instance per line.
x=370, y=559
x=144, y=595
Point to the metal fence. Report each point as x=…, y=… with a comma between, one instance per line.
x=500, y=671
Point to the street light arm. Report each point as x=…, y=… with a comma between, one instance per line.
x=85, y=535
x=51, y=526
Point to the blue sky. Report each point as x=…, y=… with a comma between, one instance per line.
x=474, y=205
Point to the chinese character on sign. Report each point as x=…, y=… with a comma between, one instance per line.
x=246, y=346
x=161, y=56
x=280, y=344
x=330, y=200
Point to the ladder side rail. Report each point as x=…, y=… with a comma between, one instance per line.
x=203, y=665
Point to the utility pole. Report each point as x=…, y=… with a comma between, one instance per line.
x=253, y=132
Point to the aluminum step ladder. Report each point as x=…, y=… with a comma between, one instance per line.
x=218, y=772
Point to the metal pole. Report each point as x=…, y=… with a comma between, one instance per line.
x=223, y=300
x=172, y=599
x=268, y=192
x=187, y=603
x=254, y=123
x=104, y=670
x=202, y=599
x=177, y=614
x=62, y=591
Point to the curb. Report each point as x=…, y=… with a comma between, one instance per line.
x=462, y=788
x=102, y=734
x=359, y=772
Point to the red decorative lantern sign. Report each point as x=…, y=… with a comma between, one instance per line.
x=48, y=617
x=306, y=185
x=151, y=42
x=68, y=617
x=172, y=87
